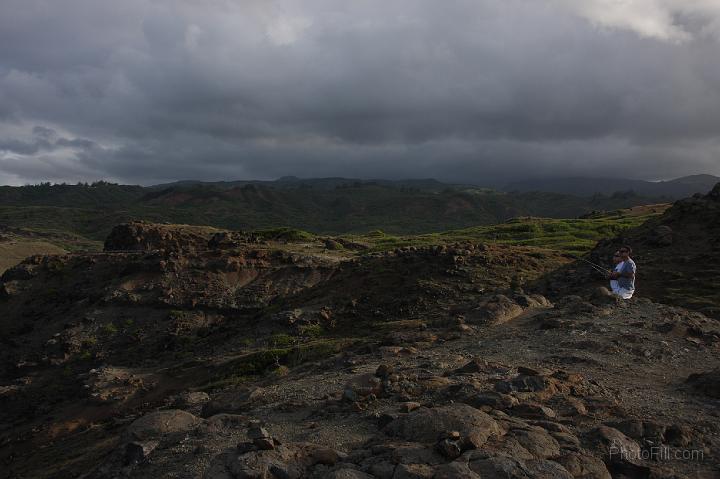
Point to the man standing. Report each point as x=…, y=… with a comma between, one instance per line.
x=625, y=275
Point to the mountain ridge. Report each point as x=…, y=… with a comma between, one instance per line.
x=584, y=186
x=325, y=205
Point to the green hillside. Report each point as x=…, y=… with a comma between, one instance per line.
x=327, y=206
x=575, y=236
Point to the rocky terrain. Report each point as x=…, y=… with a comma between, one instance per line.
x=678, y=256
x=186, y=352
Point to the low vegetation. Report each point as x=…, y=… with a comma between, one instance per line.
x=575, y=236
x=12, y=252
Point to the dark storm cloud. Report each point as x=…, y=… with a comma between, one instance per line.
x=148, y=91
x=44, y=139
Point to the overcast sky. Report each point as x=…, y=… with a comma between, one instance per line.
x=148, y=91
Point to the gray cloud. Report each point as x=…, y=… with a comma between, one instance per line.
x=151, y=91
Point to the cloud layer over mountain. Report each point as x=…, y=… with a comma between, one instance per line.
x=466, y=90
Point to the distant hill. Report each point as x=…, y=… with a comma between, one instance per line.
x=95, y=195
x=672, y=189
x=320, y=205
x=329, y=183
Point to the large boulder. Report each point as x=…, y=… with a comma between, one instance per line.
x=615, y=446
x=290, y=461
x=582, y=465
x=496, y=310
x=430, y=425
x=362, y=386
x=537, y=442
x=161, y=423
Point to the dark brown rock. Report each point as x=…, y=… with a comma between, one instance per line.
x=615, y=446
x=522, y=383
x=707, y=383
x=158, y=424
x=137, y=452
x=413, y=471
x=142, y=236
x=346, y=473
x=584, y=466
x=496, y=310
x=429, y=425
x=455, y=470
x=537, y=442
x=511, y=468
x=532, y=411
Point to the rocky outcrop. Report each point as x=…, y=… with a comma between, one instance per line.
x=458, y=421
x=499, y=308
x=142, y=236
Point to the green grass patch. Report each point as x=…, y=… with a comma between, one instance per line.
x=282, y=340
x=109, y=329
x=312, y=331
x=575, y=236
x=285, y=234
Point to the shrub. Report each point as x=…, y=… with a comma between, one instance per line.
x=285, y=234
x=109, y=328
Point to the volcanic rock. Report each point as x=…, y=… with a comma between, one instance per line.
x=707, y=383
x=428, y=425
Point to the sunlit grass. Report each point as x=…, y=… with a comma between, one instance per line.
x=569, y=235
